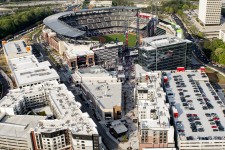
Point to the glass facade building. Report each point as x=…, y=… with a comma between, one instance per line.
x=164, y=52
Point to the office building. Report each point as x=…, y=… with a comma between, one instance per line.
x=27, y=71
x=16, y=49
x=164, y=52
x=155, y=130
x=210, y=12
x=102, y=89
x=71, y=129
x=196, y=109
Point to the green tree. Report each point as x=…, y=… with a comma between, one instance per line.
x=171, y=10
x=13, y=23
x=180, y=13
x=185, y=7
x=201, y=34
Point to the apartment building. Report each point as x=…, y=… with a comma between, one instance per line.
x=197, y=110
x=102, y=89
x=71, y=129
x=164, y=52
x=210, y=12
x=155, y=130
x=27, y=71
x=15, y=131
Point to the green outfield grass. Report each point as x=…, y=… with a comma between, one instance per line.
x=120, y=37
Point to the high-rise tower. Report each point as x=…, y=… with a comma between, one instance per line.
x=210, y=12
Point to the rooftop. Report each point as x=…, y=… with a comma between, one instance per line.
x=119, y=127
x=93, y=72
x=100, y=2
x=25, y=62
x=27, y=70
x=190, y=91
x=58, y=26
x=15, y=49
x=153, y=109
x=72, y=51
x=107, y=94
x=19, y=125
x=67, y=110
x=151, y=43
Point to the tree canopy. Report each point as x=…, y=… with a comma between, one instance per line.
x=174, y=6
x=215, y=50
x=13, y=23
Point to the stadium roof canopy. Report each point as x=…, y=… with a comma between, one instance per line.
x=60, y=27
x=64, y=29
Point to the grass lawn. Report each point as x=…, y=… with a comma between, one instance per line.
x=120, y=37
x=215, y=76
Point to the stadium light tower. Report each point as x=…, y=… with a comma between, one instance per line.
x=137, y=30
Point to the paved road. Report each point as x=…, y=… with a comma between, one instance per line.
x=196, y=50
x=112, y=145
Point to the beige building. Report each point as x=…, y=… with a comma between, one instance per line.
x=210, y=12
x=54, y=42
x=78, y=56
x=16, y=49
x=155, y=130
x=71, y=129
x=102, y=90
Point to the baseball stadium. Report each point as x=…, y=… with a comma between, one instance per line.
x=103, y=24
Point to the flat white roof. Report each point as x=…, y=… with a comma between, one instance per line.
x=15, y=49
x=193, y=89
x=154, y=111
x=73, y=51
x=92, y=72
x=26, y=62
x=27, y=70
x=107, y=95
x=101, y=84
x=151, y=43
x=19, y=125
x=62, y=100
x=100, y=2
